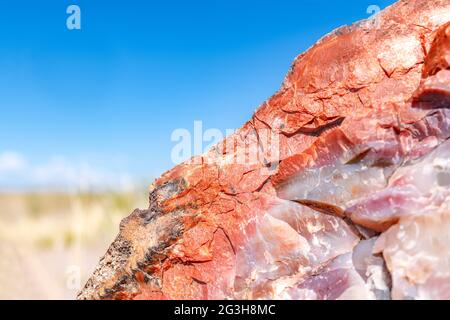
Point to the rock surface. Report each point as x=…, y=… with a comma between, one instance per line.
x=337, y=188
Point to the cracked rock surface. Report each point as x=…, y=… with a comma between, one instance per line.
x=337, y=188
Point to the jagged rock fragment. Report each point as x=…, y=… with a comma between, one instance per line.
x=337, y=188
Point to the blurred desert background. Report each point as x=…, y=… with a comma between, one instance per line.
x=50, y=242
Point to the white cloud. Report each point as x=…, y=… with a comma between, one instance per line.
x=11, y=161
x=60, y=173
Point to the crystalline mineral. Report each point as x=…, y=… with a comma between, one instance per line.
x=337, y=188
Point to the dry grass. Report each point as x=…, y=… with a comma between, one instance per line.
x=51, y=243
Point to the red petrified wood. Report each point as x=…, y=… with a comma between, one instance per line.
x=337, y=188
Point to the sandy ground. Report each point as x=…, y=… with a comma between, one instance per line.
x=51, y=243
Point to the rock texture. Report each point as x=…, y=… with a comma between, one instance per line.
x=346, y=195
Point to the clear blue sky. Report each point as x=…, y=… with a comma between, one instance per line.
x=111, y=93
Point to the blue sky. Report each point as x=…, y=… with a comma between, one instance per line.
x=105, y=99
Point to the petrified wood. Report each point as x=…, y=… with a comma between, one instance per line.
x=346, y=195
